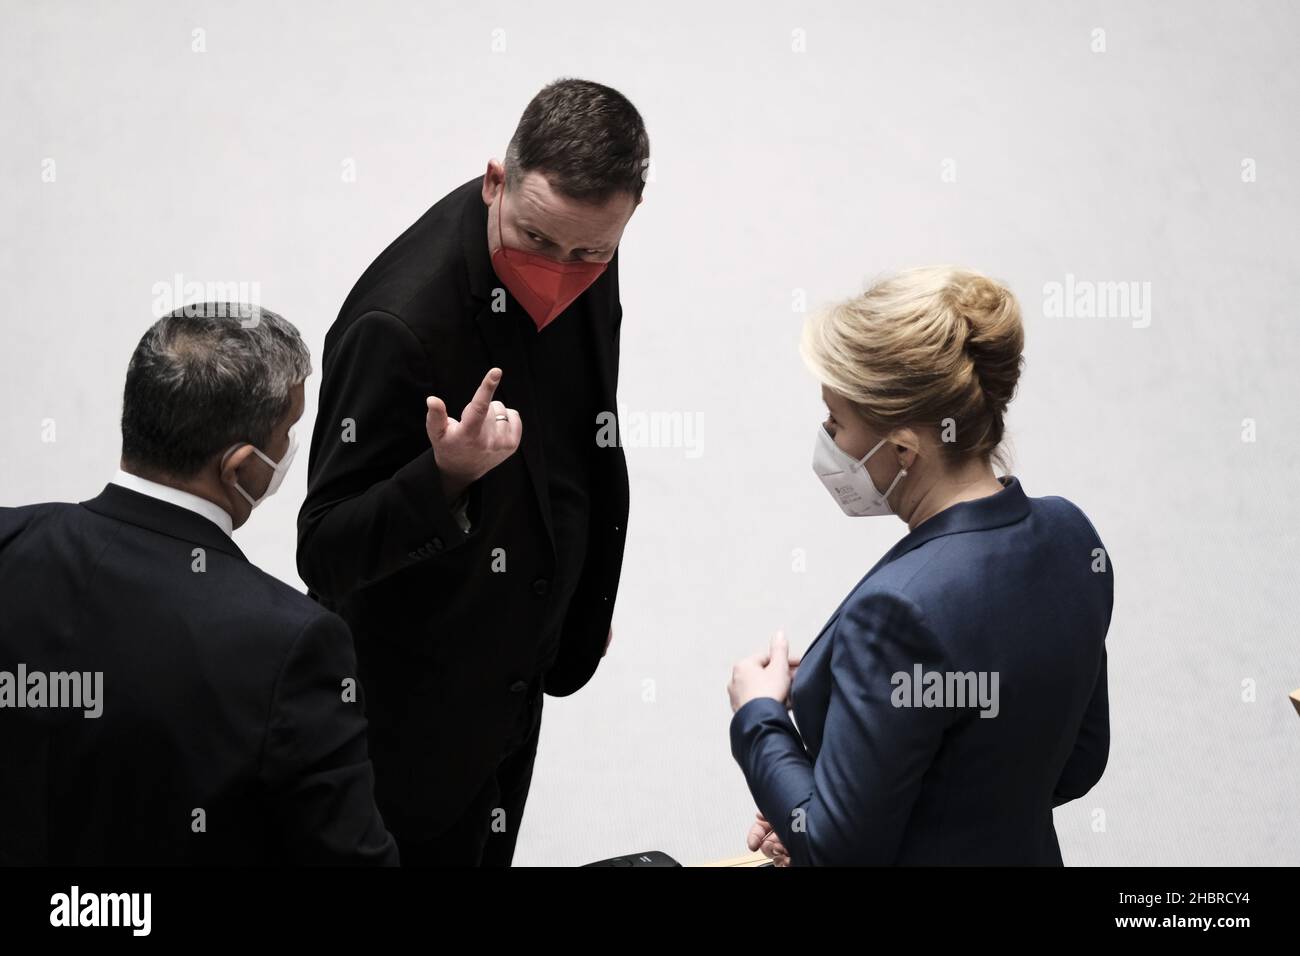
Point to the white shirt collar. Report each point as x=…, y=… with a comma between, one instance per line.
x=213, y=512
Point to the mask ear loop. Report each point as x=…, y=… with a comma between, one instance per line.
x=863, y=460
x=252, y=502
x=273, y=465
x=256, y=451
x=902, y=473
x=226, y=457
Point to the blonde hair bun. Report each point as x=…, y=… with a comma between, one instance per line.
x=921, y=348
x=995, y=337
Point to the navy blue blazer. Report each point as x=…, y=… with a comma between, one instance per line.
x=954, y=698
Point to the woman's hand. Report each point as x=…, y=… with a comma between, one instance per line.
x=763, y=837
x=766, y=674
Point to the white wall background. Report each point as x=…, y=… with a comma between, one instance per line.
x=776, y=171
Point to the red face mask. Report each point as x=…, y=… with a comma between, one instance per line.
x=544, y=287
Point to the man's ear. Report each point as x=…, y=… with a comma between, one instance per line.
x=488, y=192
x=230, y=464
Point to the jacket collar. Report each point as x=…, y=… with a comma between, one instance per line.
x=144, y=511
x=177, y=496
x=992, y=511
x=473, y=243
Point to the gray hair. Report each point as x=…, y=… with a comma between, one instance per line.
x=204, y=378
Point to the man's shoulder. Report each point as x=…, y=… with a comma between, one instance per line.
x=19, y=519
x=281, y=605
x=19, y=514
x=120, y=564
x=45, y=520
x=427, y=259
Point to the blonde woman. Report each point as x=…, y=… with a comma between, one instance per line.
x=958, y=693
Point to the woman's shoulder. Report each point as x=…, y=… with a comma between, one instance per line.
x=1064, y=511
x=954, y=565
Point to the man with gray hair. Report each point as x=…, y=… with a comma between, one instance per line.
x=229, y=726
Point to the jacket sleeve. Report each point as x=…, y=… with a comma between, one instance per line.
x=1091, y=748
x=1087, y=760
x=315, y=766
x=850, y=806
x=374, y=501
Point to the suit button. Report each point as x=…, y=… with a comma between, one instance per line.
x=541, y=586
x=518, y=687
x=437, y=544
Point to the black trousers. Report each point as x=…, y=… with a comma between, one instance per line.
x=485, y=834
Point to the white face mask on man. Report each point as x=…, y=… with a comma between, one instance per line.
x=847, y=479
x=278, y=470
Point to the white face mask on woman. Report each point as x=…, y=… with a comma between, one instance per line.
x=847, y=480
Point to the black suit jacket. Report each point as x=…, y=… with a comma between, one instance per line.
x=222, y=692
x=447, y=641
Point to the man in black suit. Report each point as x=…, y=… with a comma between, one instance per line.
x=476, y=579
x=163, y=701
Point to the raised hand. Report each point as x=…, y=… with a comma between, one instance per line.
x=486, y=435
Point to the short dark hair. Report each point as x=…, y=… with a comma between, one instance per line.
x=206, y=377
x=587, y=139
